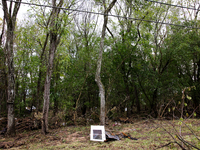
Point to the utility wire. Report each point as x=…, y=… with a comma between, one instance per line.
x=111, y=15
x=172, y=5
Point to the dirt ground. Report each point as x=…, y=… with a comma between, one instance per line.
x=151, y=134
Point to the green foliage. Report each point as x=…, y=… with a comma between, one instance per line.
x=144, y=64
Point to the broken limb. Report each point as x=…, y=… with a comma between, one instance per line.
x=171, y=143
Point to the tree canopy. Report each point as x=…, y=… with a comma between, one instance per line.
x=147, y=53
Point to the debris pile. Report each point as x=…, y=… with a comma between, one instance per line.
x=27, y=124
x=23, y=124
x=3, y=123
x=7, y=145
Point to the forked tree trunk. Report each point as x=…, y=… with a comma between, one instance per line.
x=53, y=45
x=10, y=16
x=98, y=71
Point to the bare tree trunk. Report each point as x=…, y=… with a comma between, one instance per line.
x=54, y=40
x=2, y=31
x=10, y=16
x=98, y=71
x=48, y=83
x=41, y=73
x=2, y=68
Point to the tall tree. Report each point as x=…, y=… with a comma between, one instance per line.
x=54, y=41
x=2, y=69
x=10, y=16
x=99, y=61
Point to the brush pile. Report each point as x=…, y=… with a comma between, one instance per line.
x=21, y=125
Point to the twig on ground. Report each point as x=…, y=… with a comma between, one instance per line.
x=186, y=143
x=169, y=144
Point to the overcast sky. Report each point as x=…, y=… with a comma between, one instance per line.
x=21, y=14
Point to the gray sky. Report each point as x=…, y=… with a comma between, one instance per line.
x=21, y=14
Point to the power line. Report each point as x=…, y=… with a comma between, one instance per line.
x=172, y=5
x=111, y=15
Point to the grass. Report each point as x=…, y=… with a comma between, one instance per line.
x=151, y=134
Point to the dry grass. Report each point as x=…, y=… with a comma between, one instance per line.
x=151, y=134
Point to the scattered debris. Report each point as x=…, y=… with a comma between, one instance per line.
x=15, y=143
x=117, y=124
x=128, y=136
x=124, y=120
x=23, y=124
x=113, y=137
x=98, y=133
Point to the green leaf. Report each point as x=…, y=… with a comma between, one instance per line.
x=188, y=97
x=180, y=123
x=181, y=119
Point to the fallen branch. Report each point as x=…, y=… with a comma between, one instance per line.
x=171, y=143
x=186, y=143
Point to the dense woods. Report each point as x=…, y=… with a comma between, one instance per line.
x=92, y=58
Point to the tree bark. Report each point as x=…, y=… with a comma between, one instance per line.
x=10, y=16
x=154, y=102
x=41, y=74
x=2, y=71
x=98, y=71
x=53, y=46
